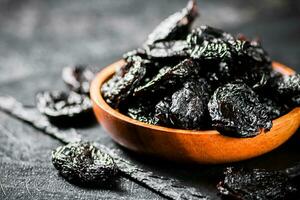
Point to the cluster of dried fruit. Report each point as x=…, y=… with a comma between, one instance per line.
x=260, y=184
x=201, y=79
x=66, y=108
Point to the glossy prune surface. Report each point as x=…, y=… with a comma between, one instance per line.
x=83, y=163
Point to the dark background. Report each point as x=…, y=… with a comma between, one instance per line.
x=38, y=38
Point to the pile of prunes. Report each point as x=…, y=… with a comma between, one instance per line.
x=204, y=78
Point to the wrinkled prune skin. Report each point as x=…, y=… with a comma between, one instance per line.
x=141, y=52
x=162, y=112
x=168, y=77
x=235, y=110
x=288, y=88
x=84, y=164
x=78, y=78
x=141, y=110
x=207, y=33
x=257, y=184
x=273, y=107
x=187, y=108
x=122, y=84
x=168, y=49
x=225, y=57
x=62, y=108
x=176, y=26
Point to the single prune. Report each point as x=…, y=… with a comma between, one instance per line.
x=168, y=77
x=288, y=89
x=257, y=184
x=188, y=106
x=162, y=112
x=235, y=110
x=207, y=33
x=142, y=111
x=122, y=84
x=273, y=107
x=84, y=164
x=168, y=49
x=176, y=26
x=136, y=52
x=212, y=50
x=61, y=107
x=78, y=78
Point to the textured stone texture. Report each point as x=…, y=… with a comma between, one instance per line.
x=38, y=38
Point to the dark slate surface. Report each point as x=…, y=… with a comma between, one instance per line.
x=38, y=38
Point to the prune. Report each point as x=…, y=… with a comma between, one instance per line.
x=61, y=107
x=141, y=110
x=236, y=110
x=168, y=77
x=257, y=184
x=212, y=50
x=119, y=87
x=207, y=33
x=83, y=163
x=168, y=49
x=288, y=89
x=187, y=108
x=78, y=78
x=136, y=52
x=226, y=58
x=274, y=108
x=176, y=26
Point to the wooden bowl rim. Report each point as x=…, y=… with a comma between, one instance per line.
x=108, y=71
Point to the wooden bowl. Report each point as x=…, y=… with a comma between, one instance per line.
x=206, y=147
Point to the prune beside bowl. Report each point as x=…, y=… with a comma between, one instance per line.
x=205, y=147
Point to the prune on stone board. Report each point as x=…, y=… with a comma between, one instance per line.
x=168, y=77
x=188, y=106
x=83, y=163
x=121, y=85
x=235, y=110
x=176, y=26
x=62, y=107
x=168, y=49
x=78, y=78
x=257, y=184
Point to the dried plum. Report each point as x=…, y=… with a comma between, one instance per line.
x=141, y=110
x=258, y=184
x=225, y=57
x=168, y=77
x=207, y=33
x=63, y=108
x=236, y=110
x=288, y=88
x=83, y=163
x=176, y=26
x=168, y=49
x=119, y=87
x=78, y=78
x=187, y=108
